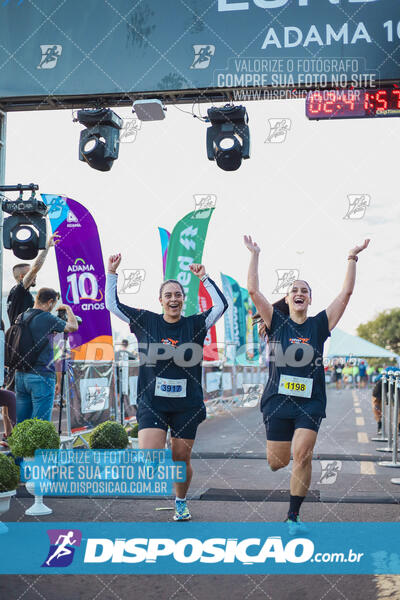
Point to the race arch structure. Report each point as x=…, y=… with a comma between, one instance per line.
x=56, y=55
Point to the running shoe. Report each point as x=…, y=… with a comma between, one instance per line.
x=296, y=527
x=181, y=511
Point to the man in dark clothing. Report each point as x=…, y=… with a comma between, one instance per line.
x=337, y=373
x=363, y=374
x=124, y=353
x=35, y=385
x=20, y=299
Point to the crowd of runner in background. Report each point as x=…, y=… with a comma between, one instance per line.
x=352, y=374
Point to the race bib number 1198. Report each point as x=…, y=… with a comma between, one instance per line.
x=295, y=386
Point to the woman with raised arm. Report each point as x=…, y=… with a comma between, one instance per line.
x=294, y=400
x=169, y=385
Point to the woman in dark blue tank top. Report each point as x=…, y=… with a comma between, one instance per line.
x=170, y=393
x=294, y=400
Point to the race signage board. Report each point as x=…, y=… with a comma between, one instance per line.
x=55, y=53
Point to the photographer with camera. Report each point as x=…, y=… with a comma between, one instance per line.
x=20, y=298
x=33, y=359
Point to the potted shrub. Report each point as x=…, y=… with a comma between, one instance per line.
x=31, y=435
x=108, y=436
x=9, y=479
x=26, y=437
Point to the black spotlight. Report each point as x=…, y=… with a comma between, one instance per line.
x=24, y=231
x=228, y=138
x=99, y=143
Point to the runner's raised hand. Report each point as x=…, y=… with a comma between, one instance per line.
x=357, y=249
x=250, y=245
x=113, y=263
x=198, y=270
x=53, y=240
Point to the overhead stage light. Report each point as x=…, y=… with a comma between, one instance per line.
x=25, y=230
x=99, y=143
x=228, y=138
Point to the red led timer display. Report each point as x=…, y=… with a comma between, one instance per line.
x=358, y=103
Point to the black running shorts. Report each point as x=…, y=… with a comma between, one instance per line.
x=183, y=424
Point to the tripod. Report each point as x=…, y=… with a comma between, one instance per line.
x=62, y=385
x=123, y=382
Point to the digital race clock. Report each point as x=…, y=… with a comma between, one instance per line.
x=353, y=104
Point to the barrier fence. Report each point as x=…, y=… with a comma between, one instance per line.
x=382, y=437
x=101, y=390
x=126, y=377
x=90, y=394
x=390, y=420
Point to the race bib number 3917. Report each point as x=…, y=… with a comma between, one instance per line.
x=170, y=388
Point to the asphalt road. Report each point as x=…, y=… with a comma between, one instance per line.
x=232, y=483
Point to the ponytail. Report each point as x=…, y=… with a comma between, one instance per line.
x=256, y=318
x=262, y=328
x=282, y=306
